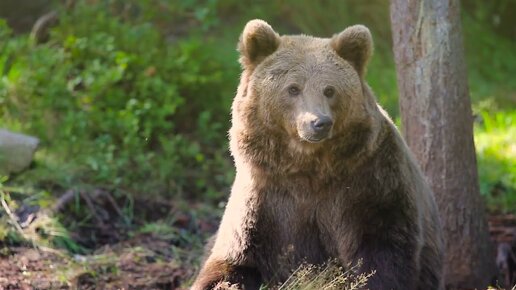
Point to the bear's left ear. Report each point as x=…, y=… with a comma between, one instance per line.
x=257, y=41
x=354, y=44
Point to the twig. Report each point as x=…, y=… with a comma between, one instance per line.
x=13, y=219
x=91, y=206
x=40, y=29
x=63, y=200
x=11, y=215
x=114, y=204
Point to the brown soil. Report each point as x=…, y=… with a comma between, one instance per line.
x=157, y=261
x=120, y=255
x=143, y=262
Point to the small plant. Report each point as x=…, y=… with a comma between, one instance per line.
x=330, y=276
x=27, y=219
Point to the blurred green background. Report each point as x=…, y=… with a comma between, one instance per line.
x=133, y=96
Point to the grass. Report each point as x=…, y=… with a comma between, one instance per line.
x=327, y=277
x=495, y=139
x=29, y=219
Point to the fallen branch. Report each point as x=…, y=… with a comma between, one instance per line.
x=67, y=197
x=114, y=204
x=91, y=206
x=12, y=217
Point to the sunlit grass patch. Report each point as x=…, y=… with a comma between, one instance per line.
x=29, y=219
x=328, y=277
x=495, y=140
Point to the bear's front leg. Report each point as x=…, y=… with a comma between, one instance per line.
x=230, y=260
x=219, y=275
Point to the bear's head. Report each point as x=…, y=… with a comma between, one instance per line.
x=304, y=90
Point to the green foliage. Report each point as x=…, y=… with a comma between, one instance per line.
x=119, y=103
x=491, y=62
x=495, y=136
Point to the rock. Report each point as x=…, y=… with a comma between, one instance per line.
x=16, y=151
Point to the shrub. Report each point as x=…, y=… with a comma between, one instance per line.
x=118, y=102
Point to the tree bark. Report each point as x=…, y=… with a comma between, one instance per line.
x=438, y=126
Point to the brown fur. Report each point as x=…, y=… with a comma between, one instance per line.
x=354, y=193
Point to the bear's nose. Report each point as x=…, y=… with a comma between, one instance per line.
x=322, y=124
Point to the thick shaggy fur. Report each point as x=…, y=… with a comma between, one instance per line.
x=356, y=194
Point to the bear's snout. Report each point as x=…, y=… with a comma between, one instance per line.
x=322, y=125
x=316, y=129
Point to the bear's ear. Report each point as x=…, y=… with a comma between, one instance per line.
x=354, y=44
x=256, y=42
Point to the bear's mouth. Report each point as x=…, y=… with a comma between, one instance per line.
x=315, y=138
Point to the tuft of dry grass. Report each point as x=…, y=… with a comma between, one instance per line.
x=326, y=277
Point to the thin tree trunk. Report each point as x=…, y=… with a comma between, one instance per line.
x=438, y=126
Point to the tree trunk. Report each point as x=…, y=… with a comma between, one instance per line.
x=438, y=126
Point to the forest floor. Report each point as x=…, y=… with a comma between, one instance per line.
x=159, y=250
x=163, y=255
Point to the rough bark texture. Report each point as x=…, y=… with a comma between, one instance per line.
x=438, y=127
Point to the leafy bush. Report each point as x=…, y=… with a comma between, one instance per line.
x=119, y=103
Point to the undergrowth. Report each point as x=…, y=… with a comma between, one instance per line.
x=330, y=276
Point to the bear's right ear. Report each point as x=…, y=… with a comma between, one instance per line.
x=257, y=41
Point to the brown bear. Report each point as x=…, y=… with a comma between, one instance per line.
x=321, y=171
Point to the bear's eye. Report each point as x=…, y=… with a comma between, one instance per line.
x=294, y=90
x=329, y=92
